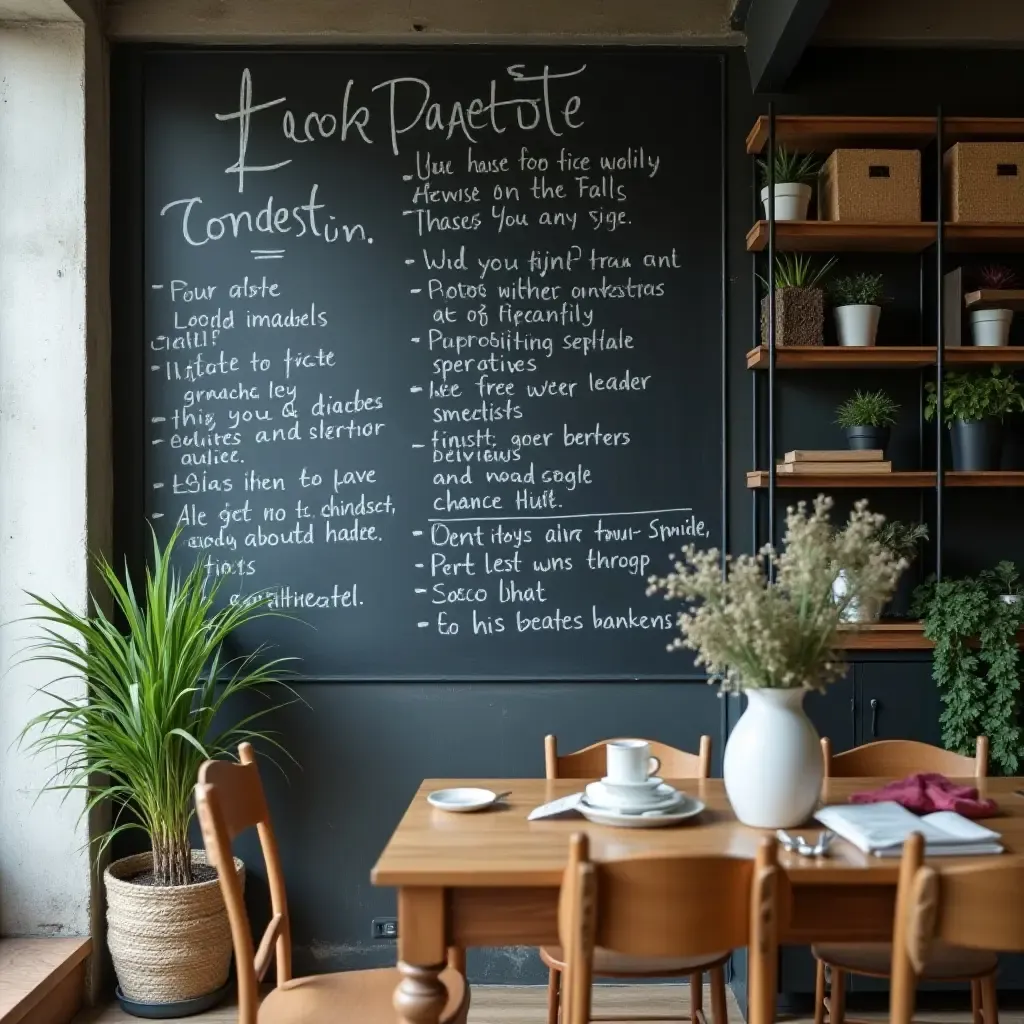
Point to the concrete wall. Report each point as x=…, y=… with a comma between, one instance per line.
x=44, y=866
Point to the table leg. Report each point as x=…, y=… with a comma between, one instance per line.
x=421, y=995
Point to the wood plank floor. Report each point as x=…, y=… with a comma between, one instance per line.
x=496, y=1004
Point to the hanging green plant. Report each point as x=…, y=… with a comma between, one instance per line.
x=976, y=664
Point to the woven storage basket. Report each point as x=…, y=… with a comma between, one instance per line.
x=985, y=182
x=874, y=186
x=168, y=943
x=799, y=317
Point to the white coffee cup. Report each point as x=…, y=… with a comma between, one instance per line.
x=630, y=761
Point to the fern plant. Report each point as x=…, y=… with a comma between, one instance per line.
x=979, y=686
x=155, y=708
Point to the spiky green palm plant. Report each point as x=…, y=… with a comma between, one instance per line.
x=154, y=692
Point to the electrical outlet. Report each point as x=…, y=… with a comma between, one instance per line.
x=384, y=928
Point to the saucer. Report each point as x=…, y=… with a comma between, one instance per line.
x=686, y=809
x=462, y=800
x=649, y=783
x=660, y=797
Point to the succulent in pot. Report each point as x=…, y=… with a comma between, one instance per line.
x=990, y=327
x=794, y=173
x=858, y=307
x=799, y=301
x=867, y=417
x=974, y=406
x=161, y=699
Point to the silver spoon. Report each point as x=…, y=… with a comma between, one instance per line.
x=802, y=846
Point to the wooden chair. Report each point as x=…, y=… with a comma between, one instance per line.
x=969, y=907
x=230, y=800
x=671, y=907
x=894, y=759
x=590, y=763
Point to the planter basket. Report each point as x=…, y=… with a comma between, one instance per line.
x=985, y=182
x=168, y=943
x=878, y=186
x=799, y=317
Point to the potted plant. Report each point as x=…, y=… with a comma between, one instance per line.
x=160, y=701
x=867, y=418
x=974, y=407
x=1005, y=577
x=799, y=300
x=770, y=628
x=990, y=328
x=858, y=306
x=794, y=173
x=976, y=664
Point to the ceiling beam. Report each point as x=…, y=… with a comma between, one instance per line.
x=778, y=32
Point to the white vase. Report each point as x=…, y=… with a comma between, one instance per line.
x=773, y=768
x=854, y=611
x=857, y=325
x=791, y=200
x=990, y=328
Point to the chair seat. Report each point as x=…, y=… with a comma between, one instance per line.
x=611, y=964
x=352, y=997
x=945, y=962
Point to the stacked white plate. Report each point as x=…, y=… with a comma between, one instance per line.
x=649, y=804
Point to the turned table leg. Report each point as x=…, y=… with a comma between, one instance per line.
x=421, y=996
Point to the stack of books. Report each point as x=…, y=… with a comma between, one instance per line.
x=841, y=462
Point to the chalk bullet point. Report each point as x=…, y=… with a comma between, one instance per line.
x=409, y=263
x=416, y=340
x=156, y=287
x=406, y=177
x=157, y=515
x=419, y=565
x=158, y=440
x=422, y=625
x=415, y=391
x=158, y=419
x=154, y=367
x=417, y=533
x=156, y=487
x=419, y=446
x=421, y=590
x=415, y=291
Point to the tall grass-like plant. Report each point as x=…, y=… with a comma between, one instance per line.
x=153, y=693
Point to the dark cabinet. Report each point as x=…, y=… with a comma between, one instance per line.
x=897, y=700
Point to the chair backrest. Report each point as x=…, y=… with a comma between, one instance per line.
x=229, y=801
x=973, y=905
x=679, y=906
x=897, y=758
x=590, y=762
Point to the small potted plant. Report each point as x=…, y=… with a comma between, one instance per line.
x=974, y=407
x=794, y=173
x=1005, y=578
x=768, y=627
x=990, y=328
x=161, y=700
x=866, y=418
x=858, y=306
x=799, y=301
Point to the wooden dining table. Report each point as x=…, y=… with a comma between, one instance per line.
x=491, y=878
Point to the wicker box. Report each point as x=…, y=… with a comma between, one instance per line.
x=985, y=182
x=873, y=186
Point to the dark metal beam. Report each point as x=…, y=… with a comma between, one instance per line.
x=778, y=32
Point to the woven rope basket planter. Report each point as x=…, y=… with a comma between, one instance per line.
x=168, y=943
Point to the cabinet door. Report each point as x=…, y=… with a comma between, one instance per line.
x=898, y=700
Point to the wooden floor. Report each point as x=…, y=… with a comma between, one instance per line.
x=495, y=1004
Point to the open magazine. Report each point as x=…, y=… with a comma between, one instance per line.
x=882, y=828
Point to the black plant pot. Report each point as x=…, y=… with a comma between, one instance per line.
x=863, y=438
x=977, y=445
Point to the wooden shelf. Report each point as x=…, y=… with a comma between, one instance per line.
x=984, y=237
x=758, y=480
x=885, y=636
x=803, y=134
x=841, y=236
x=908, y=357
x=995, y=298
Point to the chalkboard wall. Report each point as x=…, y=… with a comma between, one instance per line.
x=433, y=349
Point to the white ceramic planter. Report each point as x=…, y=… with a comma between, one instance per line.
x=853, y=612
x=990, y=328
x=857, y=326
x=791, y=200
x=773, y=767
x=1009, y=598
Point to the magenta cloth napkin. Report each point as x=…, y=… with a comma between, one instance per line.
x=929, y=791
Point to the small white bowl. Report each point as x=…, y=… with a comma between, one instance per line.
x=461, y=801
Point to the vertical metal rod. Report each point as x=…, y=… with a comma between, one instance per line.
x=755, y=404
x=771, y=323
x=940, y=341
x=724, y=299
